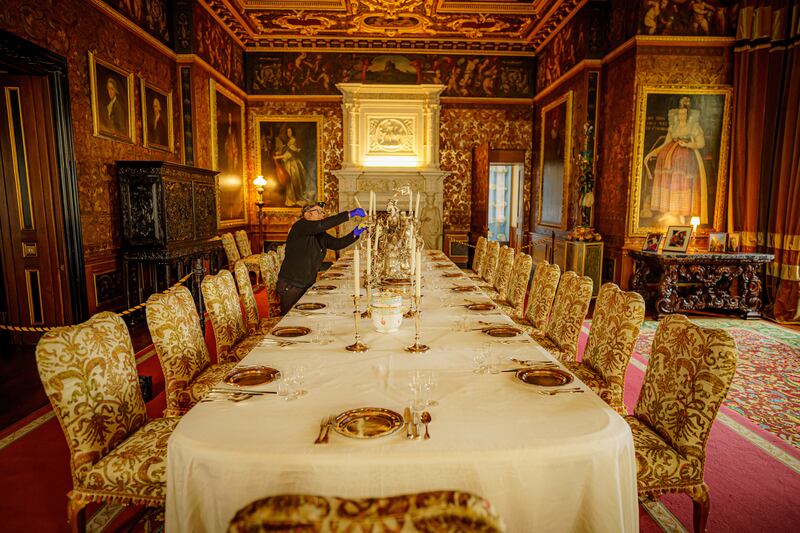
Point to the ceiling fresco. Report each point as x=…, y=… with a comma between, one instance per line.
x=407, y=25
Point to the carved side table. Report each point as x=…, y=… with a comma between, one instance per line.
x=699, y=282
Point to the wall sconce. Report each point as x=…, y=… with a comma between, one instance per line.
x=260, y=182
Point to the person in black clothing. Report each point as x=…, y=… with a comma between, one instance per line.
x=306, y=246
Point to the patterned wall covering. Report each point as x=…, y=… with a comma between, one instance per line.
x=463, y=75
x=153, y=16
x=216, y=47
x=714, y=18
x=463, y=127
x=58, y=26
x=623, y=22
x=332, y=142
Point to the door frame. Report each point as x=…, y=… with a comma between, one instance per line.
x=25, y=57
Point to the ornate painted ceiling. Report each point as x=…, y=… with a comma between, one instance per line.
x=403, y=25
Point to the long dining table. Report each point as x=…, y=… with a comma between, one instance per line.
x=561, y=462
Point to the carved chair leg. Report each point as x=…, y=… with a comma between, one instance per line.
x=76, y=514
x=701, y=505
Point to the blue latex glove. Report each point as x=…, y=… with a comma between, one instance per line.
x=361, y=228
x=358, y=212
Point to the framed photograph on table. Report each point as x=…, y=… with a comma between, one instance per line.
x=227, y=156
x=289, y=156
x=677, y=239
x=156, y=117
x=734, y=243
x=555, y=155
x=680, y=157
x=651, y=242
x=717, y=243
x=112, y=100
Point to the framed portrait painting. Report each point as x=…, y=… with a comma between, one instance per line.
x=680, y=159
x=156, y=117
x=651, y=242
x=112, y=100
x=227, y=156
x=717, y=242
x=289, y=156
x=555, y=152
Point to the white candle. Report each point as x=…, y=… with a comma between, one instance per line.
x=372, y=203
x=369, y=255
x=413, y=254
x=419, y=273
x=416, y=212
x=410, y=201
x=358, y=204
x=356, y=274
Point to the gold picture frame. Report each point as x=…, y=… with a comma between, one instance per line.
x=156, y=134
x=227, y=156
x=555, y=168
x=289, y=156
x=681, y=147
x=112, y=109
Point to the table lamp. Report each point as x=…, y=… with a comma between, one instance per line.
x=260, y=182
x=694, y=222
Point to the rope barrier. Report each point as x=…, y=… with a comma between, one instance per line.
x=41, y=329
x=526, y=247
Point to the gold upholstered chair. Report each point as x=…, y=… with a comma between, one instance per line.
x=489, y=267
x=231, y=251
x=251, y=260
x=618, y=316
x=688, y=376
x=175, y=328
x=254, y=323
x=540, y=298
x=270, y=267
x=563, y=330
x=222, y=303
x=116, y=453
x=426, y=511
x=281, y=254
x=477, y=258
x=505, y=264
x=512, y=302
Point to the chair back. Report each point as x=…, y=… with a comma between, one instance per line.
x=281, y=254
x=269, y=265
x=542, y=293
x=230, y=248
x=569, y=311
x=246, y=294
x=480, y=254
x=520, y=276
x=175, y=328
x=222, y=303
x=426, y=511
x=243, y=243
x=489, y=267
x=89, y=374
x=505, y=265
x=688, y=376
x=618, y=316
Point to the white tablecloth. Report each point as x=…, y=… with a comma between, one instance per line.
x=547, y=463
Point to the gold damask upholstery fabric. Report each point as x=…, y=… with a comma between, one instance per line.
x=489, y=268
x=688, y=376
x=254, y=323
x=89, y=374
x=222, y=302
x=175, y=328
x=618, y=316
x=504, y=268
x=243, y=243
x=541, y=295
x=270, y=266
x=569, y=311
x=281, y=254
x=428, y=512
x=513, y=302
x=229, y=244
x=477, y=259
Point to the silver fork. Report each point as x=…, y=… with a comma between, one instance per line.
x=322, y=425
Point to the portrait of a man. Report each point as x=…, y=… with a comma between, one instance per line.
x=112, y=104
x=157, y=118
x=227, y=141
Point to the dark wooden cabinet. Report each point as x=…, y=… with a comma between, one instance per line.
x=169, y=224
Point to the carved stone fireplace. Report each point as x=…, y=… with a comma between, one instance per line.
x=391, y=139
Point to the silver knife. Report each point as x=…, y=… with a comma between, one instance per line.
x=414, y=430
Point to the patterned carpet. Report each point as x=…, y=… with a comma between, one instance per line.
x=766, y=388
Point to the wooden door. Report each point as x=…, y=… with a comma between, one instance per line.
x=479, y=216
x=31, y=217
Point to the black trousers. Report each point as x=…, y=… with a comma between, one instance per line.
x=289, y=294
